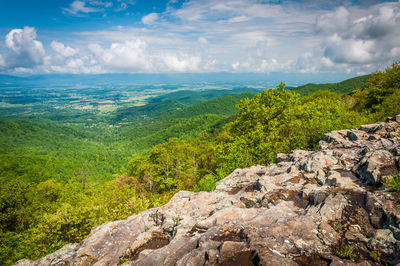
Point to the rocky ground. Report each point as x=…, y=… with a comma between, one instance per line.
x=324, y=207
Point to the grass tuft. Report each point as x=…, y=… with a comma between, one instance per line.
x=346, y=253
x=392, y=183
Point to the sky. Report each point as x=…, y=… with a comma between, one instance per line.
x=198, y=36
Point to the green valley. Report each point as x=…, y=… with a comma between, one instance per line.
x=69, y=161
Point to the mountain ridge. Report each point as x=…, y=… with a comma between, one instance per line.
x=342, y=87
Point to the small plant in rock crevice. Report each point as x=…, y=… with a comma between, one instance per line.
x=337, y=225
x=123, y=260
x=375, y=255
x=346, y=253
x=392, y=183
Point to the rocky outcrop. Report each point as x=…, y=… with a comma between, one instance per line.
x=324, y=207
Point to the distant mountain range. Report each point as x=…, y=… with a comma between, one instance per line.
x=85, y=80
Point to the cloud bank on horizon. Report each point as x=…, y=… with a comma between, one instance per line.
x=126, y=36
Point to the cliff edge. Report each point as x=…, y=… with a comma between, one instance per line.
x=323, y=207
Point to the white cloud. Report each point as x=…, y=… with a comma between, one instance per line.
x=135, y=56
x=333, y=22
x=203, y=41
x=78, y=7
x=26, y=51
x=75, y=63
x=150, y=18
x=181, y=63
x=350, y=51
x=360, y=39
x=63, y=50
x=238, y=19
x=122, y=7
x=2, y=62
x=100, y=3
x=236, y=65
x=234, y=35
x=129, y=56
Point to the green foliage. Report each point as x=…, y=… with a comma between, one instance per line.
x=192, y=97
x=324, y=111
x=147, y=136
x=170, y=105
x=265, y=124
x=122, y=261
x=392, y=183
x=67, y=225
x=337, y=225
x=375, y=255
x=224, y=105
x=40, y=219
x=36, y=151
x=13, y=197
x=346, y=253
x=382, y=93
x=280, y=121
x=174, y=165
x=281, y=86
x=207, y=183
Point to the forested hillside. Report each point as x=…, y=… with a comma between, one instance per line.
x=60, y=180
x=170, y=102
x=343, y=87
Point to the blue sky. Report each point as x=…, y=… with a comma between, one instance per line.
x=198, y=36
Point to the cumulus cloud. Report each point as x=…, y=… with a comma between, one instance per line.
x=385, y=21
x=181, y=63
x=150, y=18
x=78, y=7
x=63, y=50
x=129, y=56
x=351, y=51
x=26, y=51
x=136, y=56
x=369, y=38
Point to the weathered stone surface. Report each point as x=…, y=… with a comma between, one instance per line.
x=377, y=164
x=63, y=256
x=300, y=211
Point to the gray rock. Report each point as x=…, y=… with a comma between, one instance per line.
x=282, y=157
x=375, y=165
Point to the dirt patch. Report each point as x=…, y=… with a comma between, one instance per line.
x=157, y=240
x=244, y=258
x=235, y=235
x=313, y=260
